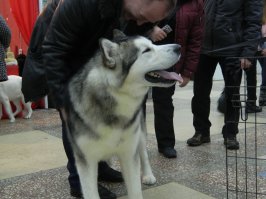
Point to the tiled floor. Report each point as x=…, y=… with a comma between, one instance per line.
x=32, y=159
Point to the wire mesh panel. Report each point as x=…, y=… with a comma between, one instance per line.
x=246, y=167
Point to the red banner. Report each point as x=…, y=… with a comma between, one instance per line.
x=25, y=13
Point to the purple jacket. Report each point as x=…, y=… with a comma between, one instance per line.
x=189, y=34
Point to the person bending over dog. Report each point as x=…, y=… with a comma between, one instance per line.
x=72, y=38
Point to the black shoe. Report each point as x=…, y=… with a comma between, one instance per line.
x=253, y=108
x=262, y=98
x=198, y=139
x=231, y=143
x=77, y=193
x=262, y=102
x=108, y=174
x=168, y=152
x=103, y=192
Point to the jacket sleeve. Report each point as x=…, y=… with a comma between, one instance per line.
x=193, y=45
x=5, y=33
x=69, y=19
x=252, y=25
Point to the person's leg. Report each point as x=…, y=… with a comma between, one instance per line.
x=201, y=100
x=263, y=72
x=251, y=79
x=262, y=98
x=221, y=103
x=232, y=73
x=163, y=119
x=73, y=177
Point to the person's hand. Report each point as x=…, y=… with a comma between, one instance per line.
x=157, y=34
x=185, y=81
x=245, y=63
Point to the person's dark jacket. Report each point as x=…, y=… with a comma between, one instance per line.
x=230, y=22
x=72, y=38
x=34, y=84
x=5, y=38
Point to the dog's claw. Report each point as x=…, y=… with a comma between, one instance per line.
x=148, y=180
x=12, y=120
x=27, y=116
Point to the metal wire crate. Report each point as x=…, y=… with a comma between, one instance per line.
x=246, y=167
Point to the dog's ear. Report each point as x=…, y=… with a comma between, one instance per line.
x=118, y=34
x=108, y=50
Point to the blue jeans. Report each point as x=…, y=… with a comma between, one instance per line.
x=73, y=177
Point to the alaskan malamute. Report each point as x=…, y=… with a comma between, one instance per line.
x=105, y=115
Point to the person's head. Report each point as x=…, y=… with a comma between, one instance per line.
x=143, y=11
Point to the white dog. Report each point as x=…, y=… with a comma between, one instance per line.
x=10, y=90
x=104, y=111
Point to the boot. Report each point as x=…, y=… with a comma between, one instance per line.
x=262, y=98
x=252, y=108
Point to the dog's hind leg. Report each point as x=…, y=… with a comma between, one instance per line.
x=88, y=172
x=17, y=104
x=5, y=101
x=147, y=175
x=130, y=163
x=8, y=109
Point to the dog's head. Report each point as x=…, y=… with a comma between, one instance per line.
x=137, y=61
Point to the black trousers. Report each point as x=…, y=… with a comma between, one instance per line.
x=203, y=81
x=251, y=79
x=163, y=116
x=263, y=73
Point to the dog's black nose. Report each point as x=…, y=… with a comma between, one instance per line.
x=177, y=49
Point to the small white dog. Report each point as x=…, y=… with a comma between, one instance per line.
x=10, y=90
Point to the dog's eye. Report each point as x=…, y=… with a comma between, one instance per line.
x=146, y=50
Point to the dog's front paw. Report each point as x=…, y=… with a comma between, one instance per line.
x=148, y=179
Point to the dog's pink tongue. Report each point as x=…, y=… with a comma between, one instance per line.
x=170, y=75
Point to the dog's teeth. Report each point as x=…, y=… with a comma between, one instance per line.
x=153, y=74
